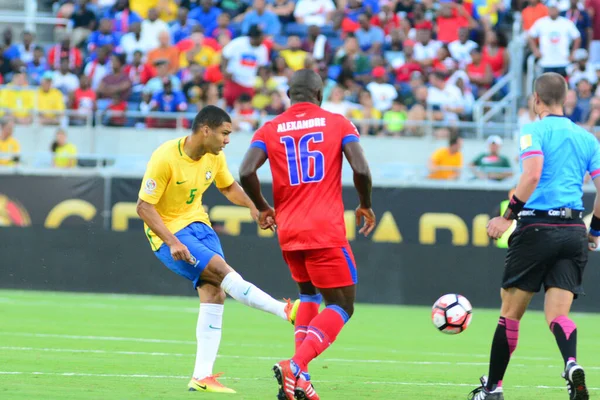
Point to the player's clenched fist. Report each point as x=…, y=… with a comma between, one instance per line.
x=180, y=252
x=369, y=217
x=266, y=219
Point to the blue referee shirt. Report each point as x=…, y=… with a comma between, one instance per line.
x=569, y=152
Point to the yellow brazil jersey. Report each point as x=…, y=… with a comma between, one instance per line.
x=65, y=156
x=9, y=146
x=52, y=102
x=175, y=183
x=205, y=57
x=20, y=102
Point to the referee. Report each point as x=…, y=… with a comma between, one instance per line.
x=550, y=244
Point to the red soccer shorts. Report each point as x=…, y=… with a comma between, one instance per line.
x=325, y=268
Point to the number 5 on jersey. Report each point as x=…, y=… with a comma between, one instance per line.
x=295, y=152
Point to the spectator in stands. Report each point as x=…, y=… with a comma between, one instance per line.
x=584, y=98
x=206, y=15
x=446, y=163
x=581, y=69
x=534, y=11
x=593, y=119
x=593, y=9
x=64, y=50
x=235, y=8
x=284, y=9
x=152, y=30
x=155, y=84
x=222, y=27
x=337, y=103
x=410, y=65
x=451, y=17
x=97, y=69
x=314, y=12
x=195, y=87
x=83, y=100
x=182, y=28
x=382, y=92
x=276, y=106
x=103, y=37
x=169, y=101
x=490, y=164
x=266, y=20
x=556, y=36
x=5, y=67
x=582, y=21
x=84, y=23
x=64, y=80
x=49, y=102
x=366, y=116
x=241, y=59
x=133, y=41
x=116, y=110
x=317, y=45
x=386, y=19
x=65, y=153
x=18, y=99
x=353, y=57
x=281, y=73
x=165, y=52
x=27, y=47
x=117, y=82
x=139, y=74
x=245, y=117
x=202, y=55
x=264, y=86
x=36, y=67
x=10, y=148
x=460, y=49
x=167, y=10
x=480, y=74
x=443, y=62
x=426, y=48
x=212, y=97
x=395, y=119
x=370, y=37
x=445, y=98
x=293, y=55
x=526, y=115
x=571, y=110
x=494, y=53
x=11, y=50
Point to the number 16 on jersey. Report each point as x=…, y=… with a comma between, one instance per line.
x=303, y=173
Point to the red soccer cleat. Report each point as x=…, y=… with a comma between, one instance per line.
x=305, y=390
x=286, y=379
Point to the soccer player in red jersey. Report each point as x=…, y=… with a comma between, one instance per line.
x=304, y=146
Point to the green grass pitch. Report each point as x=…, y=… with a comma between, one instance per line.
x=85, y=346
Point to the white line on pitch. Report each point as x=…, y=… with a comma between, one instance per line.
x=253, y=345
x=134, y=376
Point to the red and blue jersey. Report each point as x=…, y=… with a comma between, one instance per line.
x=304, y=147
x=569, y=153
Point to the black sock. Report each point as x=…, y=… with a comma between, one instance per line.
x=565, y=332
x=503, y=345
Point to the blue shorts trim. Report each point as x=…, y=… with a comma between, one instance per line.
x=351, y=266
x=202, y=242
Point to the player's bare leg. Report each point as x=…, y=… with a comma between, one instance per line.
x=208, y=335
x=514, y=305
x=220, y=274
x=557, y=307
x=321, y=333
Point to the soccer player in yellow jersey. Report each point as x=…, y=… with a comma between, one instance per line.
x=179, y=231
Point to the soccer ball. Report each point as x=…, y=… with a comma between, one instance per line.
x=452, y=313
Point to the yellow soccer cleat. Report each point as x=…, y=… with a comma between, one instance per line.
x=209, y=384
x=291, y=310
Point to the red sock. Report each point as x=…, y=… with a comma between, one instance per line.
x=308, y=310
x=322, y=332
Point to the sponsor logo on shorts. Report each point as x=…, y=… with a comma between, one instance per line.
x=150, y=186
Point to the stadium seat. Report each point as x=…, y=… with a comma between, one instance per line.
x=236, y=27
x=328, y=31
x=336, y=43
x=296, y=29
x=334, y=71
x=281, y=40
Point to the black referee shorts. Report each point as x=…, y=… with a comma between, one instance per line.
x=551, y=252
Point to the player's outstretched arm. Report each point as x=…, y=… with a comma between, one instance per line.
x=237, y=196
x=362, y=182
x=150, y=216
x=253, y=160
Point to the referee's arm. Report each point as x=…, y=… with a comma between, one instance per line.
x=594, y=235
x=532, y=171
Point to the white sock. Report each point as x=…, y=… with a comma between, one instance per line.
x=245, y=292
x=208, y=335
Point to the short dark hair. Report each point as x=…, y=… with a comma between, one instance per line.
x=454, y=139
x=211, y=116
x=551, y=88
x=245, y=98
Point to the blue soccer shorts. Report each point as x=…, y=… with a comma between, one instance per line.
x=202, y=242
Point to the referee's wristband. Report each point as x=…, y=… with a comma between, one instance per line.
x=594, y=232
x=515, y=206
x=595, y=224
